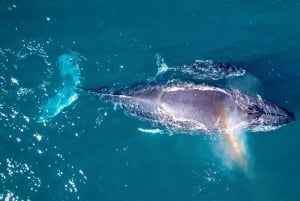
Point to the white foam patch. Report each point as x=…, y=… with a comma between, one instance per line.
x=162, y=66
x=37, y=136
x=14, y=81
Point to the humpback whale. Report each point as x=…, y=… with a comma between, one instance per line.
x=199, y=70
x=193, y=108
x=180, y=106
x=175, y=104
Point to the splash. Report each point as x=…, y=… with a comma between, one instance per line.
x=66, y=95
x=161, y=64
x=162, y=68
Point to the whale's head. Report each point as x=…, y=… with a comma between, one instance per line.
x=263, y=115
x=229, y=70
x=268, y=116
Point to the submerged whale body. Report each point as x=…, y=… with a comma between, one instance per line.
x=200, y=70
x=191, y=108
x=208, y=69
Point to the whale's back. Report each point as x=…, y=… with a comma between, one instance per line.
x=201, y=107
x=181, y=108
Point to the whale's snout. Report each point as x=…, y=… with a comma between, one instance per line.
x=292, y=116
x=277, y=114
x=287, y=116
x=265, y=115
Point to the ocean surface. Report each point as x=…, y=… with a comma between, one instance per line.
x=89, y=151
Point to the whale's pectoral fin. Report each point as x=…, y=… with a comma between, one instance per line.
x=155, y=131
x=151, y=131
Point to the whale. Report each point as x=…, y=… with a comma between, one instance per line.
x=174, y=104
x=194, y=108
x=171, y=104
x=199, y=70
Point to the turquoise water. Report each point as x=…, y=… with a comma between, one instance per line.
x=89, y=151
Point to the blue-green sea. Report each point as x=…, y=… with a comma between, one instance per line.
x=89, y=151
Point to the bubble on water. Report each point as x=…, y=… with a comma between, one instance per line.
x=7, y=196
x=73, y=186
x=37, y=136
x=34, y=47
x=13, y=172
x=14, y=81
x=206, y=178
x=40, y=151
x=26, y=118
x=23, y=91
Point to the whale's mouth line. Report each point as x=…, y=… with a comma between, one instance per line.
x=277, y=115
x=274, y=114
x=285, y=115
